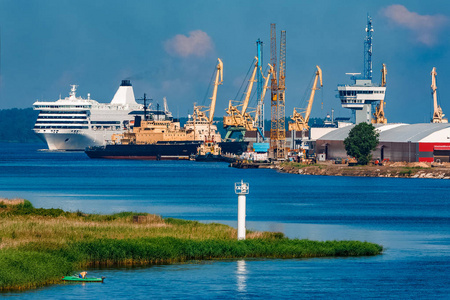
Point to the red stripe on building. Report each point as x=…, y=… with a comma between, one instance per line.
x=429, y=147
x=441, y=147
x=426, y=159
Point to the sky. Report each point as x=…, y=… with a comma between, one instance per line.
x=170, y=49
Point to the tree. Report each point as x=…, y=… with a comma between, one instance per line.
x=361, y=141
x=16, y=125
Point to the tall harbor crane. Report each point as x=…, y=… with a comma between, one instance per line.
x=217, y=82
x=200, y=114
x=379, y=117
x=277, y=127
x=259, y=122
x=240, y=121
x=199, y=111
x=259, y=116
x=300, y=121
x=438, y=115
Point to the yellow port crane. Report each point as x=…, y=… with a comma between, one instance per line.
x=300, y=121
x=204, y=115
x=438, y=115
x=240, y=120
x=379, y=117
x=219, y=72
x=201, y=114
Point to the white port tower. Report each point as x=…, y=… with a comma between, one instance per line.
x=363, y=96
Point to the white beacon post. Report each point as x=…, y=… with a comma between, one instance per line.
x=241, y=188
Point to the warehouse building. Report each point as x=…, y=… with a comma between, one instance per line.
x=425, y=142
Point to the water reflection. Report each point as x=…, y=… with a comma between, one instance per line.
x=241, y=276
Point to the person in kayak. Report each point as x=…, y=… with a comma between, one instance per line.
x=83, y=274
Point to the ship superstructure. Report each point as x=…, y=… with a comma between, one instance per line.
x=202, y=126
x=74, y=123
x=147, y=132
x=363, y=96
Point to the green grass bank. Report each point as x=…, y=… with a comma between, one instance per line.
x=38, y=246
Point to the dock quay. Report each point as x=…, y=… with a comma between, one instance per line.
x=247, y=164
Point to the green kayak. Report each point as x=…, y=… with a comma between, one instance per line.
x=78, y=279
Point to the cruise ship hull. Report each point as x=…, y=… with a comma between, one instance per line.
x=74, y=141
x=158, y=151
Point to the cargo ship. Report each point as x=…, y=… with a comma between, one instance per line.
x=162, y=140
x=175, y=150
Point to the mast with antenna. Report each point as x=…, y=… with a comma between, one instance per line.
x=368, y=49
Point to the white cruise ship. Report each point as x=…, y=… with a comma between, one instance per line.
x=74, y=123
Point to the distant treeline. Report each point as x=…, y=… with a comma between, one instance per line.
x=16, y=125
x=318, y=122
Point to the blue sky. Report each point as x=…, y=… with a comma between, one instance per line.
x=170, y=48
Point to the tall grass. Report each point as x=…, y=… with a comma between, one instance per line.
x=38, y=246
x=153, y=250
x=21, y=269
x=37, y=264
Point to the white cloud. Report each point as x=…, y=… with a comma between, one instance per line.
x=425, y=28
x=197, y=43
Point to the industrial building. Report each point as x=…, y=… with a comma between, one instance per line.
x=426, y=142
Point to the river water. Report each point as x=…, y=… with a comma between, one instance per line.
x=409, y=217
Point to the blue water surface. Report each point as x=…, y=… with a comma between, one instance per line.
x=409, y=217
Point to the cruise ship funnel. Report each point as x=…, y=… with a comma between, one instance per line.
x=125, y=94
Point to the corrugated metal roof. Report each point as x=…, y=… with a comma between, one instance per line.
x=414, y=132
x=397, y=132
x=339, y=134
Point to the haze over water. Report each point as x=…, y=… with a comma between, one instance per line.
x=409, y=217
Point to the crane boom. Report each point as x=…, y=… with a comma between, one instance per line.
x=249, y=88
x=313, y=92
x=263, y=94
x=383, y=75
x=434, y=88
x=240, y=121
x=236, y=118
x=379, y=111
x=219, y=73
x=300, y=122
x=438, y=115
x=282, y=71
x=273, y=56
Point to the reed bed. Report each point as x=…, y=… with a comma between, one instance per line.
x=38, y=246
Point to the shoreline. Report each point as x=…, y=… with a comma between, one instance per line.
x=38, y=246
x=392, y=170
x=389, y=170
